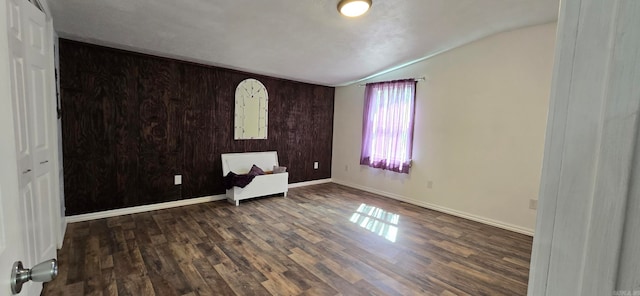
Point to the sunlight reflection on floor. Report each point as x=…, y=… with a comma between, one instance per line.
x=377, y=220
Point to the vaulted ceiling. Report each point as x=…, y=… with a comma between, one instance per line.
x=303, y=40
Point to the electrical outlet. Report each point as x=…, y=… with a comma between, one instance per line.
x=533, y=204
x=429, y=184
x=315, y=165
x=177, y=179
x=346, y=167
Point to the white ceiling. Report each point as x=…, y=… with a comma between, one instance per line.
x=303, y=40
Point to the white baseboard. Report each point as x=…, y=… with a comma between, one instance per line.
x=309, y=183
x=472, y=217
x=145, y=208
x=167, y=205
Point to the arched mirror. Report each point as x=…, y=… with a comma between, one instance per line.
x=251, y=113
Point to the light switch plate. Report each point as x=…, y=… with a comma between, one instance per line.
x=315, y=165
x=177, y=179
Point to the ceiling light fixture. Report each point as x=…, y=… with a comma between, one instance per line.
x=353, y=8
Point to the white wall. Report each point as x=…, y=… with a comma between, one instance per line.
x=479, y=130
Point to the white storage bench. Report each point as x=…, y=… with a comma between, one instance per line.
x=241, y=163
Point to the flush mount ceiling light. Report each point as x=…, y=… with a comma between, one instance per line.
x=353, y=8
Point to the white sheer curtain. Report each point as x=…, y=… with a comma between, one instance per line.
x=387, y=128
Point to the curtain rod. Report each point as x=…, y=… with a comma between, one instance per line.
x=423, y=78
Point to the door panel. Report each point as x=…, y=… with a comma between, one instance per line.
x=41, y=117
x=20, y=109
x=45, y=243
x=37, y=60
x=21, y=103
x=29, y=231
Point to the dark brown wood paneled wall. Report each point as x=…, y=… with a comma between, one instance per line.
x=130, y=122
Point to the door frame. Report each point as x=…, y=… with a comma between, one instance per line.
x=587, y=225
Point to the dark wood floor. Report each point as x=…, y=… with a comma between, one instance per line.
x=306, y=244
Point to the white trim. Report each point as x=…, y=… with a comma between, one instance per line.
x=145, y=208
x=468, y=216
x=191, y=201
x=168, y=205
x=309, y=183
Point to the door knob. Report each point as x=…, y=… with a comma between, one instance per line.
x=43, y=272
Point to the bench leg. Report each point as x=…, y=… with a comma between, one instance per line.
x=285, y=194
x=237, y=203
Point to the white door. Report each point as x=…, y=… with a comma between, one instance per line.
x=11, y=231
x=42, y=205
x=26, y=232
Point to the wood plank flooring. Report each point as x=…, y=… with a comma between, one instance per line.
x=321, y=240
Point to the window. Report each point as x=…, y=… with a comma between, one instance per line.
x=387, y=128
